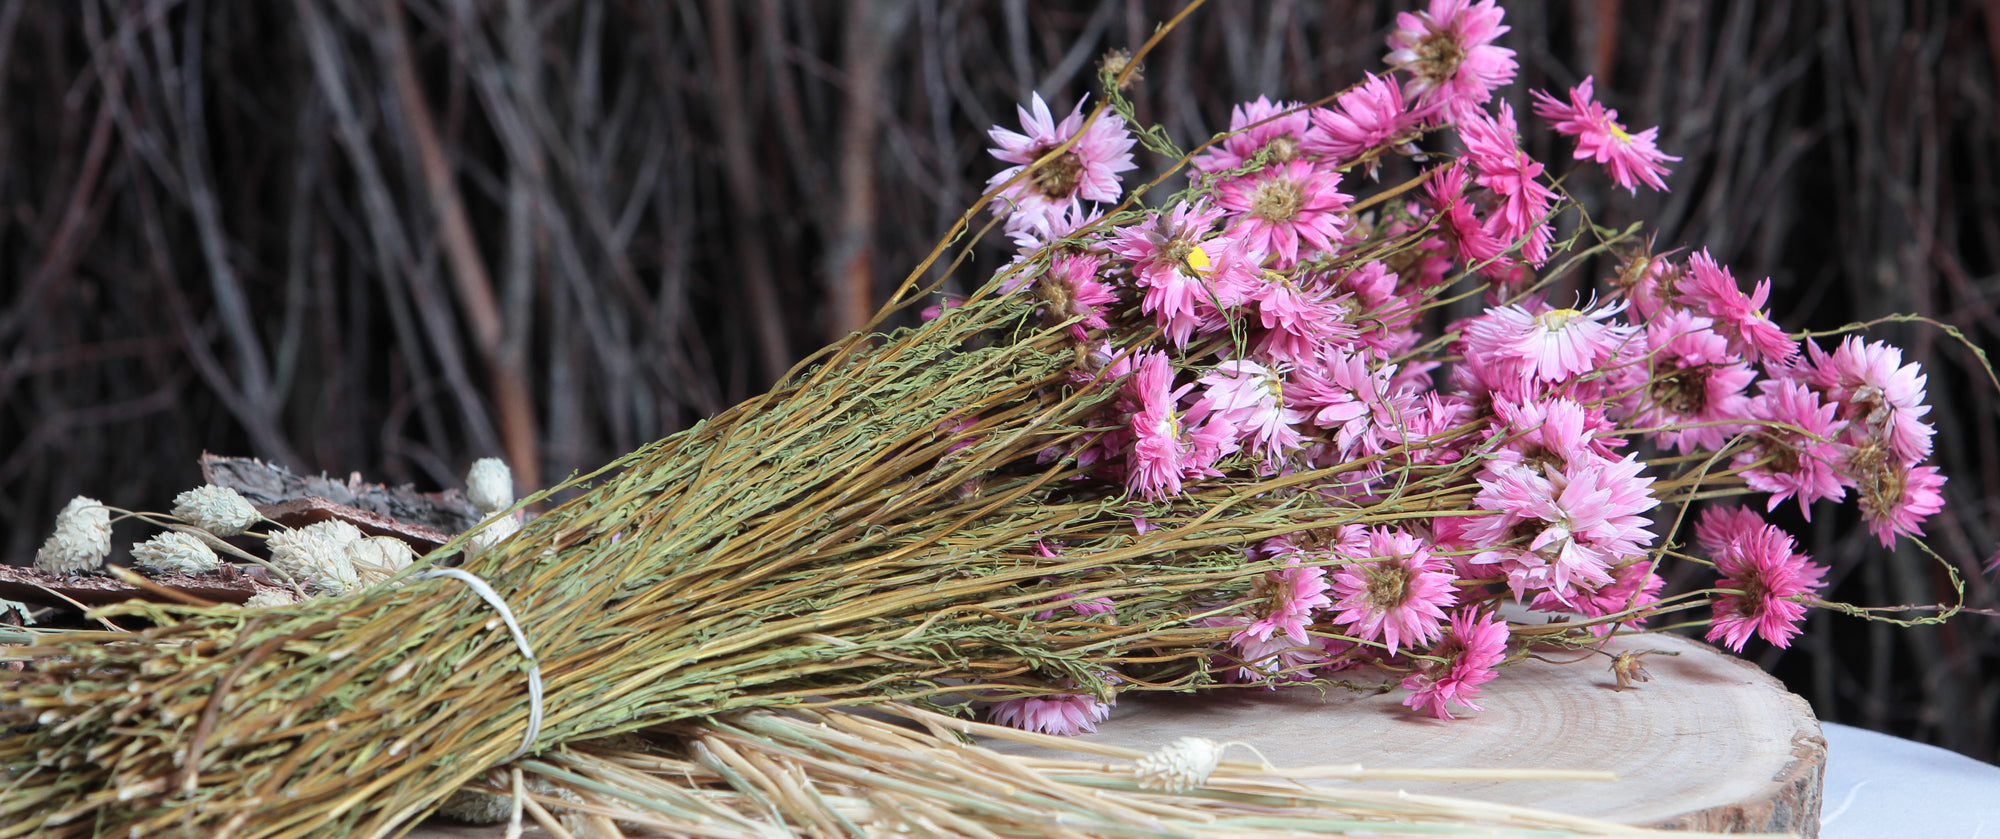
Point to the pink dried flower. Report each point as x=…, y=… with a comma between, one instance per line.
x=1449, y=53
x=1697, y=384
x=1710, y=287
x=1631, y=158
x=1061, y=714
x=1087, y=170
x=1393, y=591
x=1579, y=522
x=1895, y=498
x=1554, y=345
x=1281, y=603
x=1799, y=445
x=1370, y=116
x=1550, y=432
x=1475, y=644
x=1492, y=147
x=1760, y=563
x=1248, y=397
x=1297, y=321
x=1161, y=453
x=1254, y=126
x=1277, y=207
x=1469, y=238
x=1186, y=272
x=1882, y=397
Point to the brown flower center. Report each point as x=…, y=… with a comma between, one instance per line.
x=1061, y=176
x=1438, y=56
x=1284, y=148
x=1277, y=200
x=1683, y=391
x=1388, y=585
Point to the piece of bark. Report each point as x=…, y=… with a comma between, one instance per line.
x=266, y=484
x=28, y=585
x=300, y=512
x=1711, y=743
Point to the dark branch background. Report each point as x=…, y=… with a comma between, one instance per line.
x=391, y=237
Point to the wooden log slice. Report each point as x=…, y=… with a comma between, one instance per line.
x=1711, y=743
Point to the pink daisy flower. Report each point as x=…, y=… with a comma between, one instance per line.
x=1551, y=432
x=1710, y=287
x=1087, y=170
x=1393, y=591
x=1449, y=53
x=1161, y=453
x=1279, y=206
x=1525, y=204
x=1185, y=271
x=1806, y=462
x=1475, y=247
x=1630, y=158
x=1281, y=603
x=1348, y=393
x=1468, y=652
x=1697, y=383
x=1895, y=498
x=1553, y=346
x=1632, y=586
x=1070, y=288
x=1297, y=321
x=1248, y=397
x=1882, y=397
x=1254, y=126
x=1579, y=522
x=1062, y=714
x=1370, y=116
x=1760, y=563
x=1718, y=526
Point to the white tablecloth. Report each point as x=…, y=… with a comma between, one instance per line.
x=1881, y=787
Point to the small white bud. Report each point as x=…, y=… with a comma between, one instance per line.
x=268, y=598
x=492, y=531
x=318, y=552
x=218, y=510
x=174, y=552
x=1181, y=766
x=489, y=485
x=82, y=539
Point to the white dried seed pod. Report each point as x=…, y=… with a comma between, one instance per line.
x=489, y=485
x=1180, y=766
x=475, y=807
x=318, y=552
x=491, y=532
x=82, y=539
x=174, y=552
x=268, y=598
x=218, y=510
x=385, y=554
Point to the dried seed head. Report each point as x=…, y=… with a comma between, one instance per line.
x=218, y=510
x=1181, y=766
x=492, y=531
x=380, y=557
x=473, y=807
x=1115, y=62
x=1628, y=668
x=82, y=539
x=489, y=485
x=318, y=552
x=268, y=598
x=175, y=552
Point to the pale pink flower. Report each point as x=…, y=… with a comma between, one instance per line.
x=1071, y=289
x=1773, y=579
x=1633, y=586
x=1282, y=603
x=1061, y=714
x=1475, y=644
x=1449, y=53
x=1254, y=126
x=1710, y=287
x=1491, y=144
x=1393, y=591
x=1631, y=158
x=1718, y=526
x=1248, y=397
x=1882, y=397
x=1086, y=171
x=1551, y=432
x=1279, y=207
x=1349, y=393
x=1801, y=444
x=1554, y=345
x=1697, y=383
x=1031, y=233
x=1372, y=115
x=1269, y=660
x=1579, y=522
x=1297, y=321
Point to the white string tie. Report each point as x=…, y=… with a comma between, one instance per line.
x=492, y=598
